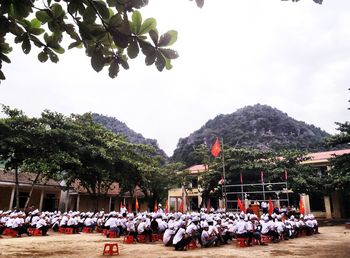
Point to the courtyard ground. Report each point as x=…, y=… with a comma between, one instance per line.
x=334, y=241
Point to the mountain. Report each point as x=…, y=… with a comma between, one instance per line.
x=119, y=127
x=259, y=126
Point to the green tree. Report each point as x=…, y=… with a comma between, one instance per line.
x=339, y=175
x=17, y=141
x=110, y=31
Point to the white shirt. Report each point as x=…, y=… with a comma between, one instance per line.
x=205, y=237
x=241, y=227
x=141, y=227
x=167, y=235
x=41, y=223
x=179, y=235
x=192, y=227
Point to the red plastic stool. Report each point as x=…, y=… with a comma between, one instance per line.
x=10, y=232
x=155, y=237
x=87, y=230
x=241, y=242
x=192, y=245
x=68, y=231
x=105, y=232
x=112, y=234
x=31, y=231
x=141, y=238
x=109, y=249
x=128, y=239
x=62, y=230
x=266, y=239
x=160, y=236
x=37, y=232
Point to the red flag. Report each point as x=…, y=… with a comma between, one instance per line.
x=301, y=206
x=137, y=207
x=286, y=175
x=241, y=177
x=270, y=207
x=181, y=209
x=166, y=206
x=262, y=176
x=240, y=205
x=215, y=150
x=155, y=206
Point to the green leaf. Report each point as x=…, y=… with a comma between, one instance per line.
x=77, y=44
x=59, y=50
x=136, y=22
x=160, y=62
x=102, y=9
x=26, y=46
x=168, y=64
x=113, y=69
x=154, y=36
x=168, y=38
x=133, y=49
x=53, y=57
x=42, y=56
x=147, y=48
x=73, y=6
x=57, y=10
x=43, y=16
x=89, y=15
x=35, y=23
x=147, y=25
x=169, y=53
x=4, y=58
x=115, y=20
x=97, y=60
x=2, y=76
x=36, y=31
x=150, y=59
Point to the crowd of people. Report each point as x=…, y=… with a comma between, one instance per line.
x=211, y=228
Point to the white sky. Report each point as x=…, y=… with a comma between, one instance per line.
x=233, y=53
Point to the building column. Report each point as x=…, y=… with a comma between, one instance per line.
x=78, y=201
x=336, y=205
x=176, y=205
x=110, y=203
x=306, y=201
x=327, y=205
x=41, y=200
x=169, y=201
x=12, y=198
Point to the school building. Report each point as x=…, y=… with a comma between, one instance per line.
x=334, y=205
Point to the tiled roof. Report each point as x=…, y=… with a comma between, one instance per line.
x=25, y=178
x=197, y=168
x=318, y=156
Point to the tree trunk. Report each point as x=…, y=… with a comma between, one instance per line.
x=31, y=190
x=17, y=188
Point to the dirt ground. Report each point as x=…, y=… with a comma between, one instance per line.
x=333, y=242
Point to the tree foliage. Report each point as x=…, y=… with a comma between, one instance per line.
x=79, y=150
x=110, y=31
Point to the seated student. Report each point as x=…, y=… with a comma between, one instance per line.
x=192, y=229
x=169, y=236
x=268, y=228
x=73, y=223
x=181, y=239
x=241, y=228
x=34, y=218
x=64, y=221
x=42, y=225
x=112, y=223
x=130, y=227
x=206, y=239
x=281, y=227
x=309, y=225
x=144, y=229
x=314, y=221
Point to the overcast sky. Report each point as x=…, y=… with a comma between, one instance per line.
x=233, y=53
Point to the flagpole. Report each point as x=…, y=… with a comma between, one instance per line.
x=241, y=179
x=262, y=181
x=224, y=174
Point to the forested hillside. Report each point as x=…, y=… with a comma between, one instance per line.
x=119, y=127
x=259, y=126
